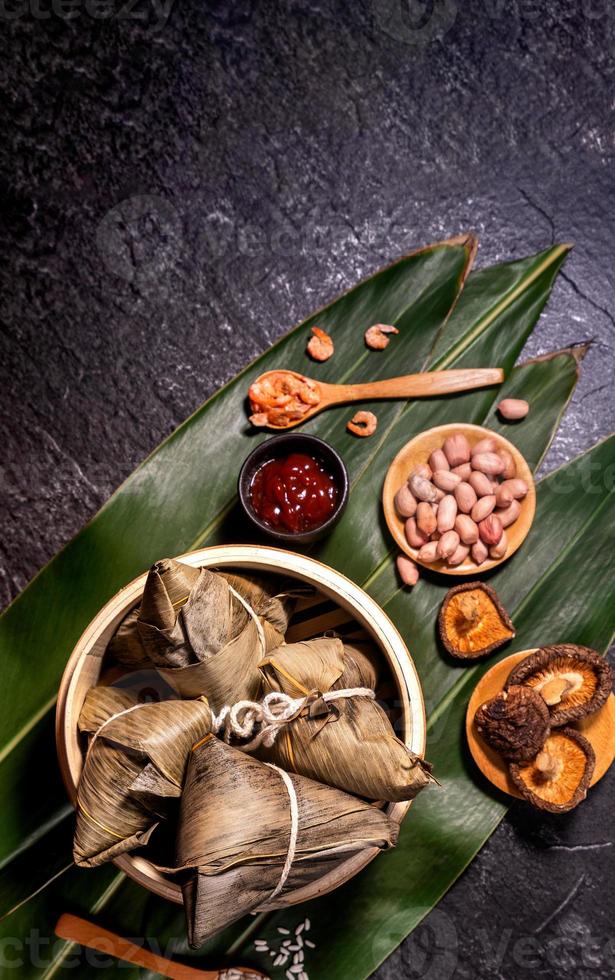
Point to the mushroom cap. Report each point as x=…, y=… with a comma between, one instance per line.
x=515, y=723
x=489, y=628
x=557, y=780
x=574, y=680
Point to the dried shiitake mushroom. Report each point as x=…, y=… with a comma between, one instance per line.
x=574, y=681
x=558, y=778
x=473, y=621
x=515, y=723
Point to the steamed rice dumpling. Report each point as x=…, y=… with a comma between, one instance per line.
x=204, y=631
x=136, y=758
x=101, y=703
x=160, y=622
x=153, y=633
x=350, y=742
x=272, y=599
x=242, y=844
x=125, y=645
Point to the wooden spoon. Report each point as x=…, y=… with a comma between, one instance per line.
x=77, y=930
x=423, y=385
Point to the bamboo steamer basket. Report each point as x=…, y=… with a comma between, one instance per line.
x=337, y=604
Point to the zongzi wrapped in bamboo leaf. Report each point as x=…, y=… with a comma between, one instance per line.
x=101, y=703
x=125, y=645
x=160, y=623
x=136, y=758
x=349, y=742
x=248, y=833
x=272, y=599
x=205, y=632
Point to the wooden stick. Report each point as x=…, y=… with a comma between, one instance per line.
x=76, y=930
x=427, y=383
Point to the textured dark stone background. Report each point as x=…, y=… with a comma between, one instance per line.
x=178, y=192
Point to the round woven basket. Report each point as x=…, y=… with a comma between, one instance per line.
x=337, y=604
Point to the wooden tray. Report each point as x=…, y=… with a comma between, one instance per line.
x=598, y=728
x=336, y=604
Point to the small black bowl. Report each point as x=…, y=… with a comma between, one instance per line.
x=282, y=446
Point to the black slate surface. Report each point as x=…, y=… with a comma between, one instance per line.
x=180, y=185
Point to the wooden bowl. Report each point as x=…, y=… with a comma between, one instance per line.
x=338, y=604
x=598, y=728
x=418, y=451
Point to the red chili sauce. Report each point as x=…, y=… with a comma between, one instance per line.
x=294, y=493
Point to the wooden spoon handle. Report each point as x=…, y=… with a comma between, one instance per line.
x=88, y=934
x=421, y=385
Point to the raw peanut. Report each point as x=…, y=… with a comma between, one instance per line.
x=422, y=469
x=447, y=512
x=414, y=537
x=438, y=461
x=480, y=552
x=487, y=445
x=459, y=556
x=499, y=550
x=448, y=544
x=405, y=502
x=462, y=471
x=446, y=480
x=439, y=495
x=517, y=487
x=490, y=530
x=513, y=408
x=456, y=449
x=426, y=519
x=428, y=552
x=482, y=508
x=422, y=488
x=465, y=497
x=508, y=515
x=480, y=483
x=503, y=495
x=510, y=470
x=466, y=529
x=489, y=463
x=408, y=571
